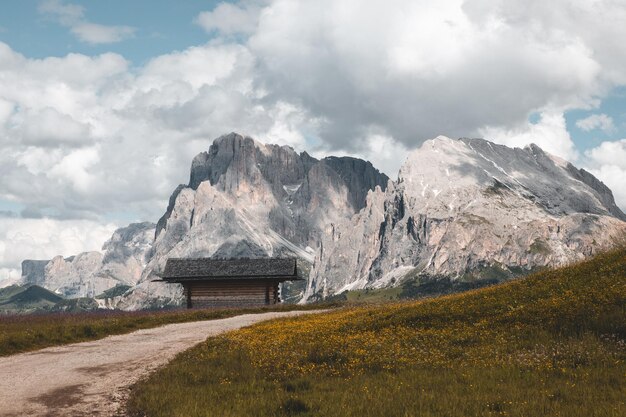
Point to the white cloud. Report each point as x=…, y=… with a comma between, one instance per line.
x=82, y=134
x=550, y=133
x=200, y=65
x=66, y=13
x=72, y=16
x=94, y=33
x=6, y=110
x=596, y=121
x=9, y=276
x=230, y=19
x=74, y=169
x=608, y=162
x=48, y=128
x=416, y=70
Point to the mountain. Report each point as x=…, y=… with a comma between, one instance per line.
x=466, y=211
x=248, y=199
x=462, y=213
x=20, y=299
x=14, y=299
x=91, y=273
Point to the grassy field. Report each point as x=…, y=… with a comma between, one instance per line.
x=551, y=344
x=21, y=333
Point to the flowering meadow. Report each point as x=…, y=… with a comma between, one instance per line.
x=549, y=344
x=21, y=333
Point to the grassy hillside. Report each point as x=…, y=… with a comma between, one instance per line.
x=116, y=291
x=21, y=333
x=7, y=292
x=549, y=344
x=16, y=299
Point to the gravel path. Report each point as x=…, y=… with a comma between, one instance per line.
x=92, y=378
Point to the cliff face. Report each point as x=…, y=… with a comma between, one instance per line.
x=294, y=188
x=33, y=271
x=248, y=199
x=90, y=273
x=468, y=210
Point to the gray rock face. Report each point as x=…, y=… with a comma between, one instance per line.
x=603, y=192
x=91, y=273
x=359, y=175
x=469, y=210
x=296, y=181
x=33, y=271
x=168, y=212
x=466, y=209
x=75, y=276
x=243, y=157
x=248, y=199
x=291, y=194
x=126, y=253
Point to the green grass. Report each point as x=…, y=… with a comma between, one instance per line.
x=17, y=299
x=380, y=295
x=21, y=333
x=116, y=291
x=550, y=344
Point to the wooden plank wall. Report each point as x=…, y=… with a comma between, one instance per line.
x=243, y=293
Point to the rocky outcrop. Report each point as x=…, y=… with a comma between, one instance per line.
x=75, y=276
x=91, y=273
x=295, y=183
x=603, y=192
x=248, y=199
x=168, y=211
x=359, y=175
x=33, y=271
x=468, y=210
x=126, y=253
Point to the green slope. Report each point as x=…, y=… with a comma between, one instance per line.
x=7, y=292
x=116, y=291
x=26, y=299
x=553, y=343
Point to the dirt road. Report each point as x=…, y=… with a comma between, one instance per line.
x=92, y=378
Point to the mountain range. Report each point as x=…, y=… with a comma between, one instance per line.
x=461, y=211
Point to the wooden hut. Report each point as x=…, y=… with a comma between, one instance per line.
x=230, y=282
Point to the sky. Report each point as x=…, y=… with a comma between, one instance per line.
x=103, y=104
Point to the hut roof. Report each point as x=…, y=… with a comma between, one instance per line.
x=207, y=268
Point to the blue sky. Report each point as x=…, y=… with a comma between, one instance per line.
x=103, y=104
x=614, y=106
x=162, y=26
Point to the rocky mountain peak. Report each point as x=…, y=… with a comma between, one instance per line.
x=464, y=210
x=247, y=158
x=249, y=199
x=359, y=175
x=469, y=210
x=450, y=170
x=91, y=273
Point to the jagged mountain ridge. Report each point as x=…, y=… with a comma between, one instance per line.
x=248, y=199
x=293, y=193
x=468, y=210
x=234, y=161
x=88, y=274
x=243, y=199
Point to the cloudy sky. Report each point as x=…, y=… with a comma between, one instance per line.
x=103, y=104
